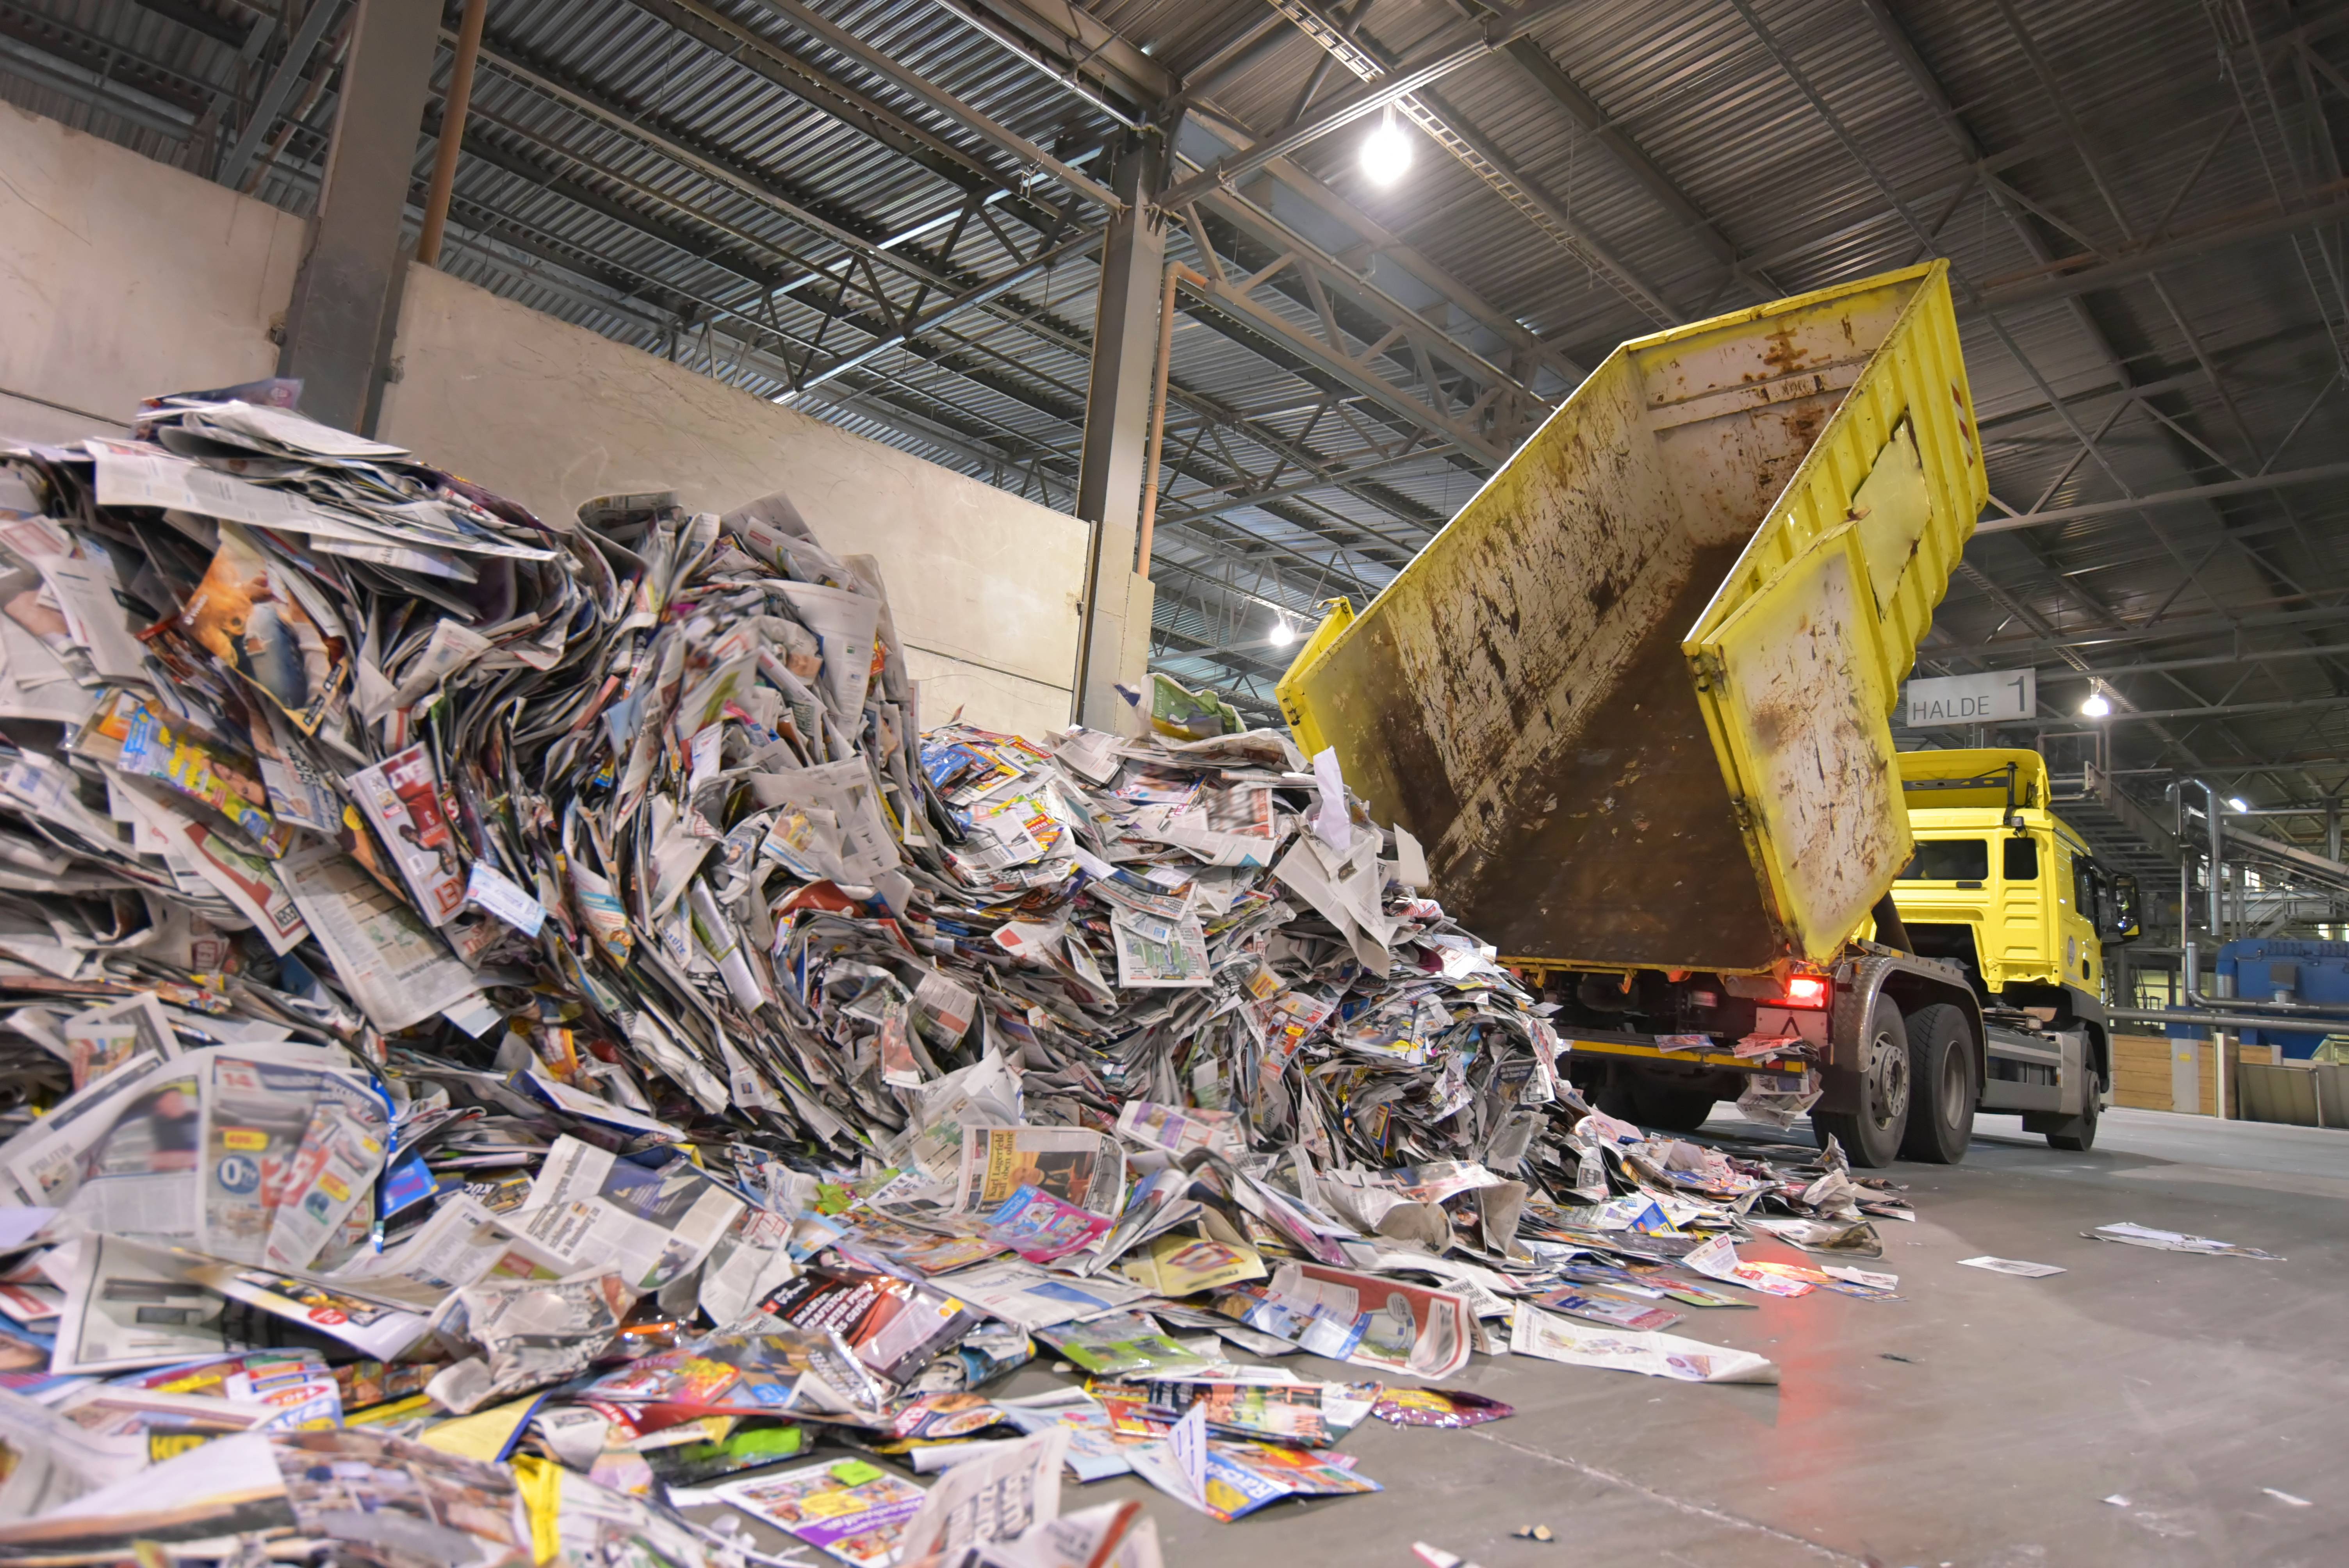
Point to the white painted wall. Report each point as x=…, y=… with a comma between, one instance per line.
x=984, y=585
x=120, y=278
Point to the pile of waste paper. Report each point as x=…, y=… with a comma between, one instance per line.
x=513, y=1031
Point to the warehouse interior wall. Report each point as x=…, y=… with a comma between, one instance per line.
x=984, y=586
x=120, y=278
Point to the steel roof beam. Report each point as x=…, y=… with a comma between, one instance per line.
x=2067, y=277
x=1381, y=240
x=766, y=58
x=1359, y=53
x=2198, y=629
x=1545, y=72
x=1409, y=77
x=827, y=92
x=277, y=90
x=2190, y=495
x=1002, y=138
x=1375, y=303
x=1074, y=34
x=2180, y=714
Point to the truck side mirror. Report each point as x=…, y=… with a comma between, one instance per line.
x=2126, y=927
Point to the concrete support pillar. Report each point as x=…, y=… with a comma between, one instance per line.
x=339, y=324
x=1115, y=640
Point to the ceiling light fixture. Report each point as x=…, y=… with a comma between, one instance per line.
x=2096, y=707
x=1282, y=634
x=2236, y=802
x=1386, y=151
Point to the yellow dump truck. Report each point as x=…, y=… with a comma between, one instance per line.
x=1634, y=702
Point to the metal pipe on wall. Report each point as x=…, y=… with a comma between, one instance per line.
x=2215, y=1020
x=452, y=132
x=1157, y=421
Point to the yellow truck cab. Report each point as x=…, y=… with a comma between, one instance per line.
x=2004, y=889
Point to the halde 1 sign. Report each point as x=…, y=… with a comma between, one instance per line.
x=1989, y=698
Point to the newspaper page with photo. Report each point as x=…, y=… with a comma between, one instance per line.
x=849, y=1510
x=1152, y=951
x=1533, y=1332
x=401, y=800
x=138, y=1178
x=248, y=882
x=652, y=1226
x=462, y=1243
x=1035, y=1298
x=130, y=1305
x=256, y=1112
x=374, y=1328
x=100, y=1039
x=44, y=1161
x=998, y=1496
x=332, y=1169
x=1076, y=1166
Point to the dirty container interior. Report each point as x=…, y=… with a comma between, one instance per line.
x=1633, y=698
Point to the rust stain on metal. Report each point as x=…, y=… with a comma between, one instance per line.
x=1620, y=842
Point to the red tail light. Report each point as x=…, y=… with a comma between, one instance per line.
x=1805, y=990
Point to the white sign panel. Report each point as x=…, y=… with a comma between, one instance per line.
x=1991, y=698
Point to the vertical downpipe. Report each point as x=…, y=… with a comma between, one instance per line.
x=452, y=131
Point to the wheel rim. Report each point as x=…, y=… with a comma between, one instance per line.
x=1956, y=1079
x=1888, y=1081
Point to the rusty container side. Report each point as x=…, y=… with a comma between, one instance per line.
x=1798, y=659
x=1521, y=696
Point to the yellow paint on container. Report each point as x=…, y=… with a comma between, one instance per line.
x=1634, y=700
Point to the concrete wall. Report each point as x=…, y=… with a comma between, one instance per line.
x=120, y=278
x=985, y=586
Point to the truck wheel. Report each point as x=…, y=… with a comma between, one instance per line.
x=1871, y=1136
x=2079, y=1133
x=1673, y=1110
x=1940, y=1085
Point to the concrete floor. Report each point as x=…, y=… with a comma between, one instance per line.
x=2183, y=1384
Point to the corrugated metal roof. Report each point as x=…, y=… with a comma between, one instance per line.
x=697, y=177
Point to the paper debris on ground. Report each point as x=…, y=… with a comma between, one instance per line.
x=510, y=1024
x=2011, y=1266
x=2134, y=1235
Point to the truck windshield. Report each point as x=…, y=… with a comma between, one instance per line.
x=1948, y=860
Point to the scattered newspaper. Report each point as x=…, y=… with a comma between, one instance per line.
x=1536, y=1333
x=1077, y=1167
x=848, y=1509
x=588, y=1205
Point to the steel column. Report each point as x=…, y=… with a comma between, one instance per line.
x=1112, y=643
x=338, y=323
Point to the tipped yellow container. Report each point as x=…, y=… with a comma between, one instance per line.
x=1635, y=698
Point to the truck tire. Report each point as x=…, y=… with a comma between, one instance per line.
x=2079, y=1134
x=1941, y=1089
x=1673, y=1109
x=1871, y=1135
